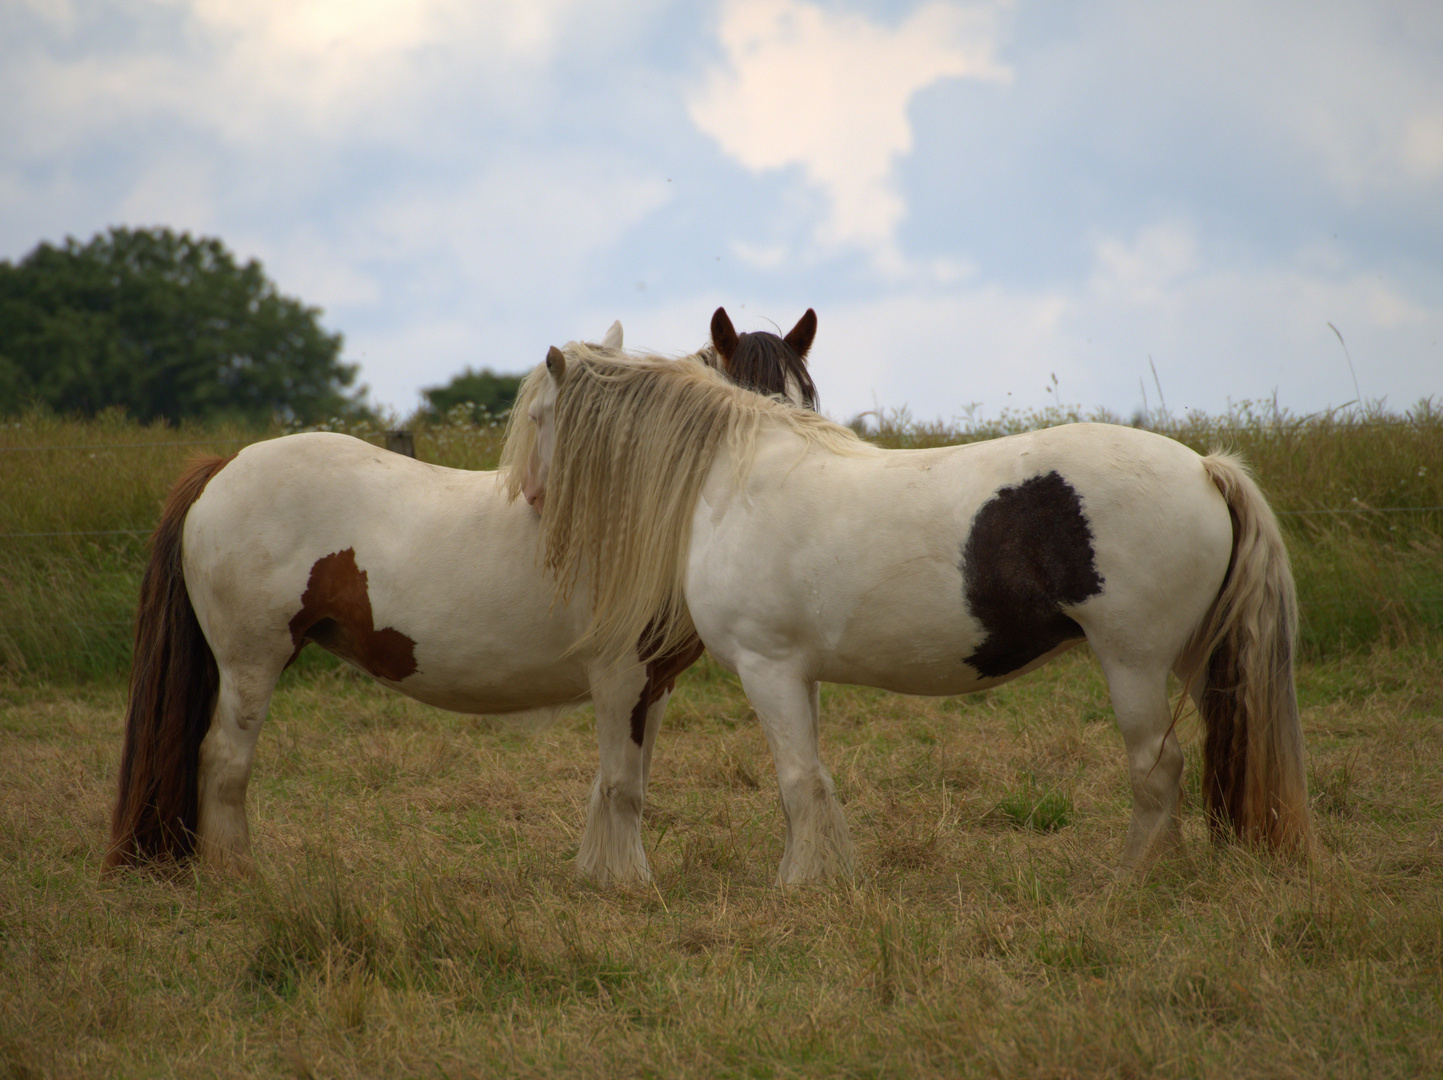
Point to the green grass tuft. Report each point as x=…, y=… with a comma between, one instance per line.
x=1031, y=806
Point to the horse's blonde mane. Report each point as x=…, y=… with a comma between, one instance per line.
x=521, y=433
x=636, y=437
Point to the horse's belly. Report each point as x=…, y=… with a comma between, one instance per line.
x=477, y=690
x=426, y=579
x=489, y=650
x=924, y=671
x=919, y=635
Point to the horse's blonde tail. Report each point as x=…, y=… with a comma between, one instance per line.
x=1254, y=782
x=173, y=683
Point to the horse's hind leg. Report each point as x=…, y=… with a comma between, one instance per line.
x=611, y=848
x=1154, y=759
x=819, y=845
x=226, y=755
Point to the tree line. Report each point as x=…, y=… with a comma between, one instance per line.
x=168, y=326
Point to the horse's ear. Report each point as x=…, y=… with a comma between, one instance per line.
x=723, y=336
x=556, y=364
x=612, y=340
x=800, y=337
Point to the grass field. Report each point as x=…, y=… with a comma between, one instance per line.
x=416, y=913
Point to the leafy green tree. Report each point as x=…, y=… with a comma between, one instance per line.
x=162, y=325
x=484, y=390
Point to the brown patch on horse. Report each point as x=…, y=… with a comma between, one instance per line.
x=1028, y=555
x=336, y=614
x=173, y=684
x=661, y=673
x=761, y=361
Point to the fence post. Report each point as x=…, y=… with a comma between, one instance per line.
x=401, y=442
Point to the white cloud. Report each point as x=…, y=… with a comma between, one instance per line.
x=761, y=256
x=261, y=73
x=527, y=219
x=1354, y=85
x=1141, y=271
x=347, y=61
x=513, y=245
x=829, y=92
x=176, y=189
x=1219, y=327
x=1422, y=148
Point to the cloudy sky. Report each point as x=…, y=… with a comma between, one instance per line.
x=989, y=204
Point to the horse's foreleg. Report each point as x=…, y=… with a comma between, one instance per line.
x=819, y=845
x=226, y=755
x=611, y=848
x=654, y=713
x=1154, y=760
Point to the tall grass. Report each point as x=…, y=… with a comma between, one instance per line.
x=78, y=498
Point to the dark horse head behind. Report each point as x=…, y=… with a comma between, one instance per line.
x=764, y=362
x=768, y=364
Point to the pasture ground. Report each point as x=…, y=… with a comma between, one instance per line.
x=416, y=913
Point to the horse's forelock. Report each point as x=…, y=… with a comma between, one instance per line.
x=763, y=362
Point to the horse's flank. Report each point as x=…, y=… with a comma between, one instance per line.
x=635, y=442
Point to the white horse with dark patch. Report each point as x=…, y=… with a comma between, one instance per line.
x=801, y=554
x=424, y=577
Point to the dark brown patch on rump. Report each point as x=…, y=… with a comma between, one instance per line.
x=1029, y=553
x=336, y=614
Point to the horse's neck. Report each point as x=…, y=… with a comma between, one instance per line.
x=776, y=450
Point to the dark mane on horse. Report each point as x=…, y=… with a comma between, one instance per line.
x=762, y=361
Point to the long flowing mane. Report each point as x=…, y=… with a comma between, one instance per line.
x=521, y=433
x=635, y=440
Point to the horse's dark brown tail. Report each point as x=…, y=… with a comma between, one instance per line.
x=1254, y=782
x=173, y=683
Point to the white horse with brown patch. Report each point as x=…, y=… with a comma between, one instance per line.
x=801, y=554
x=424, y=577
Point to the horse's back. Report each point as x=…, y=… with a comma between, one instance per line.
x=942, y=570
x=281, y=505
x=425, y=577
x=1140, y=513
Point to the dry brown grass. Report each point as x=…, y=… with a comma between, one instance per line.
x=417, y=913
